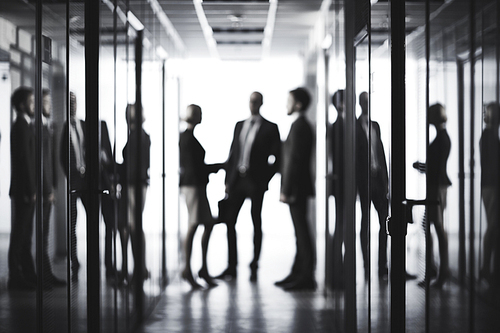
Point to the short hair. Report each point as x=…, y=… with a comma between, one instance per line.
x=190, y=112
x=19, y=96
x=436, y=109
x=301, y=95
x=338, y=98
x=494, y=107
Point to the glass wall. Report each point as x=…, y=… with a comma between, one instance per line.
x=450, y=138
x=74, y=236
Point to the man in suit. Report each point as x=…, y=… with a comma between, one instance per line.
x=77, y=171
x=371, y=166
x=337, y=188
x=253, y=160
x=22, y=191
x=296, y=187
x=49, y=184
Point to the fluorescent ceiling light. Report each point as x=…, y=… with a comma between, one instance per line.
x=134, y=21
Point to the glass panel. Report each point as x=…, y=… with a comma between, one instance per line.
x=73, y=156
x=54, y=94
x=335, y=147
x=18, y=186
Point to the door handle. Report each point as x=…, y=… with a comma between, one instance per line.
x=409, y=204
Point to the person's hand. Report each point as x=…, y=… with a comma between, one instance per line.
x=284, y=198
x=419, y=166
x=51, y=198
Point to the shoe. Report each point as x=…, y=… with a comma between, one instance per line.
x=189, y=278
x=253, y=275
x=203, y=273
x=301, y=285
x=287, y=280
x=228, y=273
x=409, y=276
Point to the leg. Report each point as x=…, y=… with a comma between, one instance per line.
x=236, y=199
x=490, y=200
x=256, y=212
x=191, y=196
x=380, y=201
x=305, y=249
x=108, y=214
x=21, y=266
x=444, y=270
x=365, y=209
x=338, y=240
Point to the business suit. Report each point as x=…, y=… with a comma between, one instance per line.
x=250, y=182
x=336, y=137
x=77, y=172
x=108, y=179
x=374, y=171
x=49, y=184
x=297, y=186
x=22, y=193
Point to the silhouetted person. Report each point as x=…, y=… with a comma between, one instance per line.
x=253, y=160
x=49, y=184
x=134, y=166
x=108, y=200
x=490, y=184
x=296, y=187
x=22, y=191
x=337, y=186
x=438, y=183
x=77, y=172
x=193, y=184
x=371, y=173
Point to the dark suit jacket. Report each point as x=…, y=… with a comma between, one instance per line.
x=193, y=170
x=106, y=158
x=134, y=165
x=296, y=177
x=439, y=151
x=337, y=153
x=77, y=179
x=48, y=159
x=267, y=143
x=362, y=149
x=22, y=150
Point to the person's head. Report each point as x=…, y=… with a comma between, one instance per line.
x=47, y=102
x=72, y=104
x=130, y=115
x=363, y=102
x=492, y=114
x=298, y=100
x=338, y=100
x=193, y=115
x=437, y=115
x=256, y=101
x=23, y=101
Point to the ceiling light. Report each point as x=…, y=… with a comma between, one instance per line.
x=134, y=21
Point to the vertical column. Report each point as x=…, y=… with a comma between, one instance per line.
x=349, y=175
x=398, y=182
x=38, y=164
x=163, y=175
x=472, y=256
x=92, y=24
x=139, y=240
